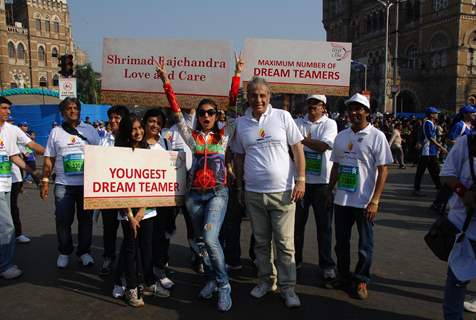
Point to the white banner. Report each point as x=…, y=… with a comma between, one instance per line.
x=67, y=88
x=124, y=178
x=295, y=66
x=195, y=67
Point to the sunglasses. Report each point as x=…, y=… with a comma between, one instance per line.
x=210, y=112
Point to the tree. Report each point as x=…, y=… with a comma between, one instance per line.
x=88, y=84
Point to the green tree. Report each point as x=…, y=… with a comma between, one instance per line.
x=88, y=84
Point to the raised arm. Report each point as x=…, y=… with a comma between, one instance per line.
x=235, y=81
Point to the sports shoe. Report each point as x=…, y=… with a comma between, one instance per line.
x=261, y=289
x=291, y=299
x=224, y=298
x=234, y=267
x=338, y=283
x=161, y=275
x=62, y=261
x=11, y=273
x=133, y=299
x=118, y=291
x=208, y=290
x=106, y=268
x=329, y=274
x=86, y=260
x=361, y=292
x=470, y=304
x=23, y=239
x=156, y=290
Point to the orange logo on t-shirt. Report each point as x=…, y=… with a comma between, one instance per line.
x=261, y=133
x=72, y=140
x=1, y=143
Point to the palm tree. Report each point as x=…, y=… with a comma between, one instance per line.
x=88, y=84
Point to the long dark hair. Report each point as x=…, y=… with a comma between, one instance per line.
x=215, y=129
x=123, y=138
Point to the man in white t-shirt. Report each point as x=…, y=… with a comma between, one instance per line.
x=9, y=153
x=65, y=153
x=361, y=155
x=319, y=133
x=261, y=149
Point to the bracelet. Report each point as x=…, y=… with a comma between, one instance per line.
x=460, y=189
x=45, y=180
x=375, y=203
x=300, y=179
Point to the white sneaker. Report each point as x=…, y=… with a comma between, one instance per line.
x=86, y=260
x=261, y=289
x=11, y=273
x=166, y=283
x=62, y=261
x=291, y=299
x=118, y=291
x=156, y=290
x=23, y=239
x=329, y=274
x=470, y=304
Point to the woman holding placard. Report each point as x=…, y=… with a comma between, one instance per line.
x=207, y=198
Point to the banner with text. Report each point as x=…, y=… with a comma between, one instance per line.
x=196, y=69
x=295, y=66
x=124, y=178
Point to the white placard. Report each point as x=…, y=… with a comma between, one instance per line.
x=67, y=88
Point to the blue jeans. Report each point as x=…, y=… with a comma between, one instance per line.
x=7, y=233
x=345, y=217
x=315, y=197
x=207, y=212
x=453, y=303
x=68, y=201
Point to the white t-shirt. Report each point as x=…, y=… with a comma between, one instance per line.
x=22, y=140
x=8, y=148
x=108, y=140
x=358, y=155
x=177, y=143
x=318, y=165
x=149, y=213
x=69, y=150
x=268, y=167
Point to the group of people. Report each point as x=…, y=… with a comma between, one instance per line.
x=273, y=166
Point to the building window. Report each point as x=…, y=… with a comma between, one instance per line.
x=472, y=39
x=54, y=56
x=440, y=5
x=21, y=52
x=41, y=56
x=55, y=80
x=47, y=25
x=438, y=51
x=13, y=85
x=412, y=58
x=38, y=24
x=43, y=81
x=56, y=25
x=11, y=52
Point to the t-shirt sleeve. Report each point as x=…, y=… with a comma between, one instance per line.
x=454, y=160
x=293, y=134
x=22, y=138
x=236, y=143
x=456, y=130
x=96, y=139
x=330, y=133
x=428, y=131
x=382, y=153
x=334, y=155
x=12, y=148
x=50, y=150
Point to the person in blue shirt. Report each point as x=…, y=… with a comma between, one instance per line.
x=429, y=152
x=463, y=123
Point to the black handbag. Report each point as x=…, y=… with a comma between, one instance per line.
x=442, y=234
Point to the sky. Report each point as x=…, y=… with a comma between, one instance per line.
x=92, y=20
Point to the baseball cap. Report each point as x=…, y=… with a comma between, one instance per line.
x=24, y=123
x=467, y=108
x=319, y=97
x=431, y=110
x=360, y=99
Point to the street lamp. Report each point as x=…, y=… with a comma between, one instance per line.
x=360, y=64
x=387, y=4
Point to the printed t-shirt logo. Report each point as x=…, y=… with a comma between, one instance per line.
x=73, y=140
x=261, y=133
x=350, y=146
x=2, y=145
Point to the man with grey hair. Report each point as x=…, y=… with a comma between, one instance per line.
x=273, y=183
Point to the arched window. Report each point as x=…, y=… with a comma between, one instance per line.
x=38, y=24
x=412, y=58
x=56, y=25
x=41, y=56
x=438, y=49
x=21, y=52
x=472, y=39
x=11, y=51
x=47, y=24
x=54, y=56
x=43, y=81
x=55, y=80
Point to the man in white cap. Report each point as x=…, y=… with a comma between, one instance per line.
x=361, y=155
x=319, y=133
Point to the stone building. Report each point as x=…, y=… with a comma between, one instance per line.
x=436, y=49
x=33, y=35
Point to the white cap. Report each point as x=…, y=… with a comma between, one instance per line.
x=319, y=97
x=359, y=98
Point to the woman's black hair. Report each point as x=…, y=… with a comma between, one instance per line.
x=63, y=104
x=155, y=112
x=5, y=100
x=215, y=128
x=123, y=138
x=119, y=110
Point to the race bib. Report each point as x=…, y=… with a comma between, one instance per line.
x=348, y=178
x=5, y=166
x=313, y=163
x=73, y=164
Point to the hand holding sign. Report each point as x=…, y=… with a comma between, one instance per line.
x=160, y=69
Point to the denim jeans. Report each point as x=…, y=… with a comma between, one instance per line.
x=207, y=212
x=315, y=197
x=7, y=233
x=68, y=201
x=345, y=217
x=453, y=303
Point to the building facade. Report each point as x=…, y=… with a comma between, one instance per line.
x=33, y=35
x=436, y=60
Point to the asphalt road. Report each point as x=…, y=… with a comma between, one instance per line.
x=407, y=279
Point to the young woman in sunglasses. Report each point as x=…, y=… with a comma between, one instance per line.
x=207, y=197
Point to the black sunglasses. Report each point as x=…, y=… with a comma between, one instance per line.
x=210, y=112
